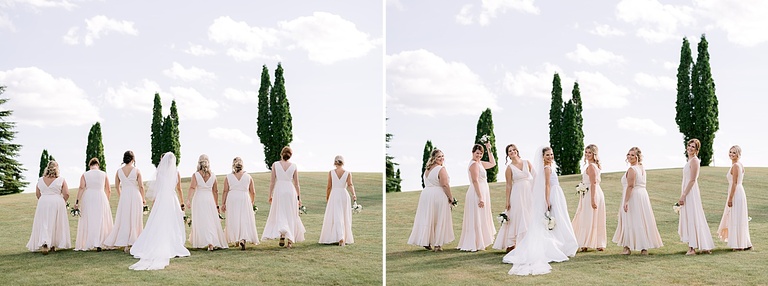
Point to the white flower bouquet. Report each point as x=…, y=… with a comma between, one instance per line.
x=145, y=209
x=549, y=220
x=75, y=211
x=485, y=139
x=303, y=210
x=581, y=189
x=502, y=218
x=676, y=208
x=454, y=203
x=255, y=208
x=188, y=220
x=356, y=208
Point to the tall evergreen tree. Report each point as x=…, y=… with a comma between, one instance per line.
x=705, y=110
x=10, y=169
x=95, y=147
x=556, y=118
x=280, y=112
x=392, y=176
x=569, y=157
x=44, y=158
x=428, y=147
x=174, y=142
x=683, y=104
x=157, y=130
x=485, y=127
x=263, y=121
x=397, y=177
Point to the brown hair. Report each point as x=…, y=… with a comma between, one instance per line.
x=696, y=143
x=237, y=165
x=593, y=148
x=478, y=147
x=286, y=153
x=52, y=170
x=638, y=153
x=93, y=161
x=128, y=157
x=203, y=165
x=506, y=150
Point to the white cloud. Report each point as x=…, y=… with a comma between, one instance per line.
x=537, y=84
x=138, y=98
x=421, y=82
x=245, y=43
x=606, y=30
x=98, y=26
x=655, y=82
x=598, y=57
x=199, y=50
x=327, y=38
x=230, y=135
x=177, y=71
x=641, y=125
x=597, y=91
x=41, y=3
x=657, y=22
x=241, y=96
x=743, y=21
x=492, y=8
x=71, y=36
x=40, y=99
x=670, y=65
x=193, y=105
x=5, y=23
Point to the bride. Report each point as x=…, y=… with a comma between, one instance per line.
x=164, y=234
x=539, y=246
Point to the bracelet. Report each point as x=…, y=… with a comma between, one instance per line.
x=182, y=205
x=77, y=201
x=298, y=197
x=217, y=207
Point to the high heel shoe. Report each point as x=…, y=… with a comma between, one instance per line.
x=282, y=241
x=210, y=247
x=428, y=247
x=242, y=244
x=45, y=249
x=341, y=242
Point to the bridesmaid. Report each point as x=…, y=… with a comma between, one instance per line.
x=589, y=220
x=563, y=231
x=734, y=226
x=519, y=190
x=237, y=201
x=204, y=196
x=477, y=230
x=433, y=225
x=129, y=220
x=95, y=221
x=283, y=221
x=337, y=222
x=636, y=229
x=50, y=228
x=693, y=228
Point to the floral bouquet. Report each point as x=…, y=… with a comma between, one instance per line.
x=255, y=208
x=221, y=216
x=454, y=203
x=581, y=189
x=485, y=139
x=188, y=220
x=356, y=208
x=676, y=208
x=145, y=209
x=502, y=218
x=303, y=209
x=75, y=212
x=549, y=220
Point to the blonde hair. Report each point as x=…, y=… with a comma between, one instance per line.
x=696, y=143
x=433, y=157
x=286, y=153
x=738, y=151
x=593, y=148
x=237, y=165
x=204, y=165
x=52, y=170
x=338, y=161
x=638, y=153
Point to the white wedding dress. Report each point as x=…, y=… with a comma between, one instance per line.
x=164, y=235
x=539, y=246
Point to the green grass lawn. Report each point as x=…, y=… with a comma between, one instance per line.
x=264, y=264
x=412, y=265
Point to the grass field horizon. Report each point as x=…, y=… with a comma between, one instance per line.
x=267, y=263
x=408, y=264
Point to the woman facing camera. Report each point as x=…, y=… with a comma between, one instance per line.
x=636, y=229
x=693, y=228
x=337, y=222
x=283, y=221
x=204, y=196
x=237, y=202
x=519, y=187
x=589, y=220
x=129, y=220
x=50, y=228
x=95, y=221
x=734, y=226
x=433, y=225
x=477, y=229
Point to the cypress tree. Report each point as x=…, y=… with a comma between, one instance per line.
x=282, y=126
x=705, y=110
x=683, y=103
x=156, y=144
x=569, y=137
x=44, y=158
x=573, y=146
x=428, y=147
x=485, y=127
x=392, y=177
x=10, y=169
x=174, y=142
x=263, y=121
x=95, y=147
x=397, y=177
x=556, y=118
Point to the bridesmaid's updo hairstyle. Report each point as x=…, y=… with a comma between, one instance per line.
x=638, y=153
x=338, y=161
x=593, y=148
x=736, y=149
x=203, y=165
x=52, y=170
x=696, y=144
x=237, y=165
x=433, y=158
x=286, y=153
x=506, y=150
x=128, y=157
x=93, y=161
x=478, y=147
